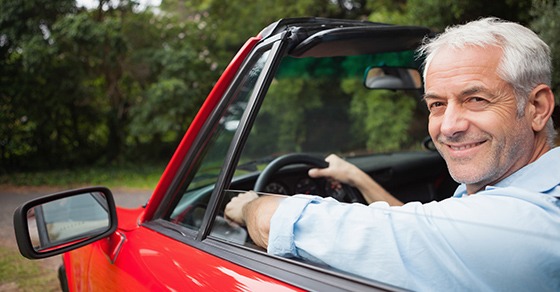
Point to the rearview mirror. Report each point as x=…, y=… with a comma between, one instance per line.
x=392, y=78
x=64, y=221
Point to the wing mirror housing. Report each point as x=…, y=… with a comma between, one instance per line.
x=64, y=221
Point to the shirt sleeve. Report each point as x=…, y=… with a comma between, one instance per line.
x=463, y=242
x=281, y=237
x=324, y=231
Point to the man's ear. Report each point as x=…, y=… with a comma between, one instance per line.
x=541, y=104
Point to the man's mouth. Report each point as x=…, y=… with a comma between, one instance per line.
x=463, y=146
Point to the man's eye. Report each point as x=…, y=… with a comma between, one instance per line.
x=475, y=103
x=477, y=99
x=435, y=105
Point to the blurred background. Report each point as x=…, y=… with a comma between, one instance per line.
x=113, y=84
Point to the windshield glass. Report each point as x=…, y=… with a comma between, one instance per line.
x=200, y=185
x=321, y=106
x=221, y=139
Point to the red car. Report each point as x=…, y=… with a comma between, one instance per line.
x=298, y=91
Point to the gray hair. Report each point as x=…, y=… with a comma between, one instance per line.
x=525, y=63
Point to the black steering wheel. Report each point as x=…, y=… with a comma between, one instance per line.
x=349, y=194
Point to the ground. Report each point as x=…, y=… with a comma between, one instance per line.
x=13, y=196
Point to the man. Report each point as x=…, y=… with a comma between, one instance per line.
x=487, y=87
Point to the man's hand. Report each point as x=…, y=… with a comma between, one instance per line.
x=248, y=209
x=339, y=170
x=347, y=173
x=234, y=209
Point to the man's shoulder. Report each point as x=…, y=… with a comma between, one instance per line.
x=553, y=152
x=541, y=176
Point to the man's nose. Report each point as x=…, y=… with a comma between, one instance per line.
x=454, y=120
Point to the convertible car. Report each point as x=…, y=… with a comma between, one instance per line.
x=298, y=91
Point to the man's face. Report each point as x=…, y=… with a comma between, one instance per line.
x=473, y=117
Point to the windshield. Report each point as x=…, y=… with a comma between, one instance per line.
x=321, y=106
x=314, y=106
x=220, y=140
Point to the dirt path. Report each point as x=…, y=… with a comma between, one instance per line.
x=13, y=196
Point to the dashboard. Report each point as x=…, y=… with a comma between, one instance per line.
x=296, y=181
x=409, y=176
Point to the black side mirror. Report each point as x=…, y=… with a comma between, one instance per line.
x=64, y=221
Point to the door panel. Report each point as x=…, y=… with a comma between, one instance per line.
x=150, y=261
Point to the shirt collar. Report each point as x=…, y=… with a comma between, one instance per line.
x=539, y=176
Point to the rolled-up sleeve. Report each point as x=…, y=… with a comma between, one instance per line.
x=324, y=231
x=281, y=237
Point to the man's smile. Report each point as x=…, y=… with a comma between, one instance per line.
x=463, y=147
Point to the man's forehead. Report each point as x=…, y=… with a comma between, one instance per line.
x=471, y=63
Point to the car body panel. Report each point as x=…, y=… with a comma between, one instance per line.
x=151, y=262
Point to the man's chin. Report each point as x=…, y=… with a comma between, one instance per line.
x=466, y=175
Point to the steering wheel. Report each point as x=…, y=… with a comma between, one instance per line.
x=350, y=195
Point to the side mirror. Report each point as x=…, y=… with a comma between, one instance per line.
x=64, y=221
x=392, y=78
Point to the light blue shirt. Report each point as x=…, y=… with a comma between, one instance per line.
x=504, y=238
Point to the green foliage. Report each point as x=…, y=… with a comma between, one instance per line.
x=132, y=175
x=81, y=87
x=41, y=118
x=19, y=274
x=20, y=20
x=77, y=85
x=546, y=16
x=381, y=118
x=438, y=14
x=291, y=128
x=388, y=11
x=230, y=23
x=186, y=73
x=159, y=113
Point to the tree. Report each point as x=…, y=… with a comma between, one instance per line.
x=26, y=87
x=230, y=23
x=438, y=14
x=84, y=86
x=545, y=23
x=185, y=70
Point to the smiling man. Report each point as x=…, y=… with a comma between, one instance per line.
x=487, y=87
x=475, y=120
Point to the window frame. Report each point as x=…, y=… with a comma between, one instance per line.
x=195, y=152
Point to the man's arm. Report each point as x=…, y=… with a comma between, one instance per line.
x=347, y=173
x=255, y=212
